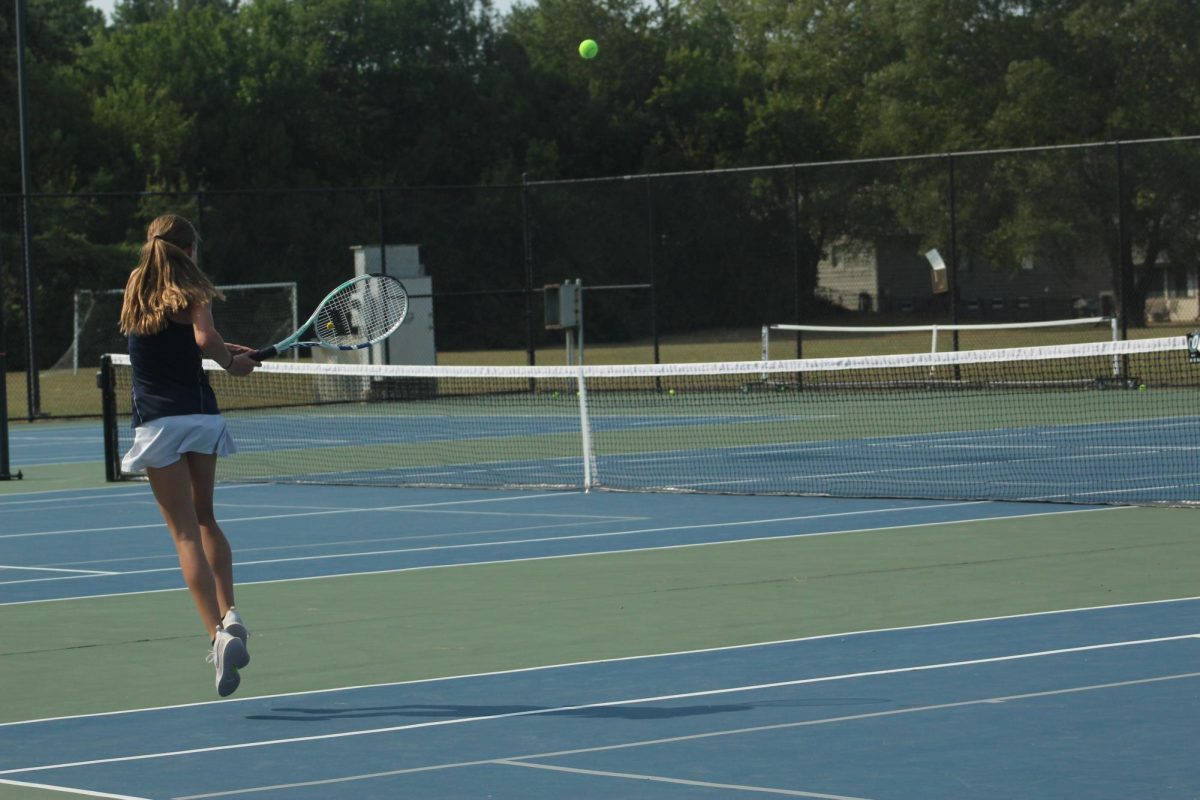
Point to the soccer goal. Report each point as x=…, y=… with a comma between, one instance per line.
x=251, y=314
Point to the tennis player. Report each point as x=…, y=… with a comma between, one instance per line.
x=178, y=429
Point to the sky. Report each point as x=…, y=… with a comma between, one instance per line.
x=502, y=6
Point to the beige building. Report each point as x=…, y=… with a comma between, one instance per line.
x=891, y=276
x=1173, y=294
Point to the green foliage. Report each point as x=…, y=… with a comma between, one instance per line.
x=215, y=96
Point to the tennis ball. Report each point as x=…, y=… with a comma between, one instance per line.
x=1142, y=387
x=328, y=326
x=588, y=48
x=671, y=392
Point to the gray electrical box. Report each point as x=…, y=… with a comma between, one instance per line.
x=562, y=305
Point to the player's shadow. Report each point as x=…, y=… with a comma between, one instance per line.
x=448, y=711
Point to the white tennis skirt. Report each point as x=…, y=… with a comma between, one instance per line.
x=161, y=442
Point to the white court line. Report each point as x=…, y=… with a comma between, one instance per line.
x=539, y=540
x=589, y=519
x=513, y=762
x=72, y=790
x=113, y=494
x=650, y=699
x=85, y=572
x=329, y=512
x=396, y=570
x=622, y=659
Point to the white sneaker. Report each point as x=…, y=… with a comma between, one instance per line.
x=227, y=652
x=233, y=623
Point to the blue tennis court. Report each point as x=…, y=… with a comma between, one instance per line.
x=55, y=443
x=1046, y=705
x=474, y=643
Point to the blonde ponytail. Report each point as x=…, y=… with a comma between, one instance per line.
x=166, y=280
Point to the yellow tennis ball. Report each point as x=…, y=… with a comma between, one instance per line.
x=588, y=48
x=329, y=326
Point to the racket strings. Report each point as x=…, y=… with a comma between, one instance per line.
x=365, y=311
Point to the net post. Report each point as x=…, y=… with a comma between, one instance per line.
x=766, y=347
x=108, y=403
x=933, y=346
x=585, y=431
x=1116, y=336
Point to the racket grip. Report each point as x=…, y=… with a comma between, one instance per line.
x=264, y=354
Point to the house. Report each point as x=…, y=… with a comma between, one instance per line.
x=890, y=275
x=1173, y=294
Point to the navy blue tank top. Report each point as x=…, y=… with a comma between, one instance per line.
x=168, y=378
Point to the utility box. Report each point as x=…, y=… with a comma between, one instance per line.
x=413, y=342
x=562, y=305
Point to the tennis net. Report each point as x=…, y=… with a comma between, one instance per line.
x=845, y=340
x=1105, y=422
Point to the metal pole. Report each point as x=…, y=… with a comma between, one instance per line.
x=653, y=270
x=387, y=350
x=5, y=474
x=33, y=389
x=1123, y=276
x=798, y=303
x=527, y=238
x=954, y=264
x=75, y=335
x=579, y=319
x=953, y=252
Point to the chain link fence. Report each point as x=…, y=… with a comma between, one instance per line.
x=666, y=260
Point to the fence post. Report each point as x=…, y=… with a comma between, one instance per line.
x=527, y=240
x=1123, y=277
x=32, y=385
x=5, y=474
x=387, y=353
x=798, y=300
x=953, y=250
x=653, y=269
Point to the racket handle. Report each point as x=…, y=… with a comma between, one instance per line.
x=264, y=354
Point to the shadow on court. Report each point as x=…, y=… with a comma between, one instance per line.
x=451, y=711
x=472, y=712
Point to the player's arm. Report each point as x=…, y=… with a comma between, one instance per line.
x=231, y=357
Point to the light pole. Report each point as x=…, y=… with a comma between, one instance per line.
x=31, y=366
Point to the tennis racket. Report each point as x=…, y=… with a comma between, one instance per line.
x=355, y=315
